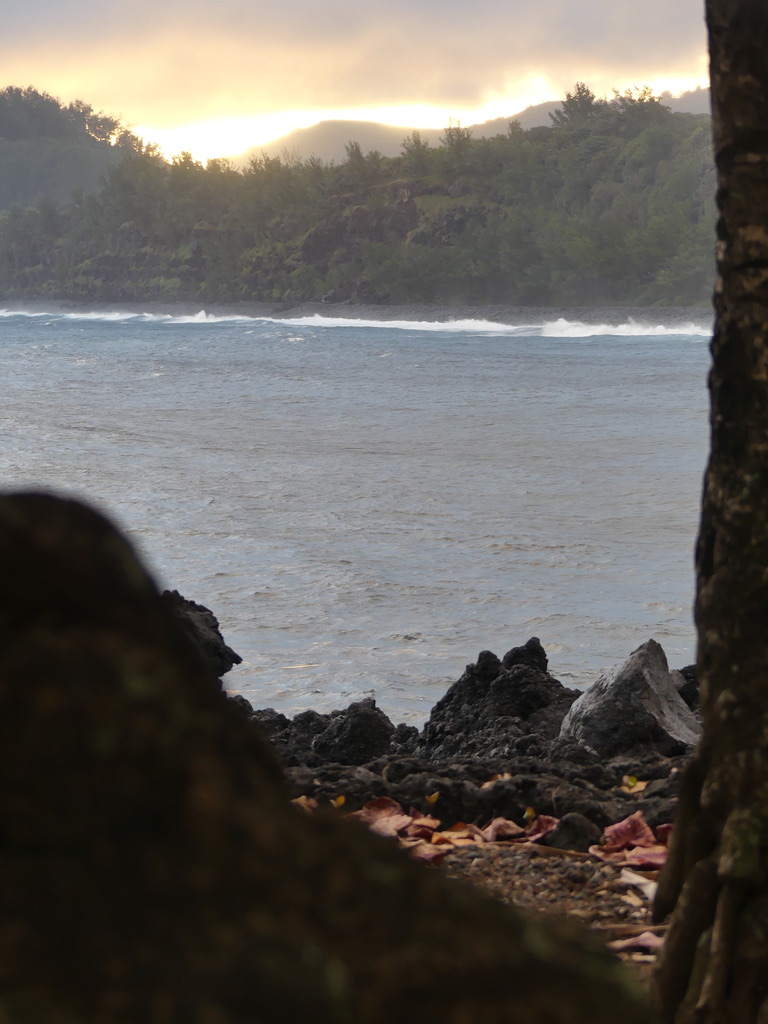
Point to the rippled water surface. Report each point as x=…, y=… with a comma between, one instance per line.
x=367, y=505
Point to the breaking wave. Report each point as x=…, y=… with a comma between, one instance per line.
x=561, y=327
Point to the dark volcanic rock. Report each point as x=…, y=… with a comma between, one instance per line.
x=531, y=653
x=293, y=738
x=202, y=627
x=490, y=748
x=689, y=688
x=635, y=706
x=499, y=708
x=574, y=831
x=463, y=791
x=356, y=736
x=405, y=740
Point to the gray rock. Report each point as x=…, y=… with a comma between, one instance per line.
x=633, y=707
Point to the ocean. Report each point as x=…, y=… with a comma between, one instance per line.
x=367, y=504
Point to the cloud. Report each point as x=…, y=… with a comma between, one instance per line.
x=164, y=61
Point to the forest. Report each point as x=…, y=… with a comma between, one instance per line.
x=610, y=204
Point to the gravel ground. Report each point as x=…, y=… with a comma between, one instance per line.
x=553, y=882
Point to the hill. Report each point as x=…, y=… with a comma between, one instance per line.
x=327, y=139
x=610, y=203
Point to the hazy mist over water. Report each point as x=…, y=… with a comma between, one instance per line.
x=367, y=505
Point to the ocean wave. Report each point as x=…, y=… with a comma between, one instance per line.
x=126, y=316
x=438, y=326
x=557, y=328
x=563, y=328
x=560, y=328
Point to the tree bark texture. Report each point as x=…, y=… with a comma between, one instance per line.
x=714, y=966
x=152, y=869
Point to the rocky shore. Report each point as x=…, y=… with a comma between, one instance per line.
x=506, y=738
x=514, y=785
x=508, y=745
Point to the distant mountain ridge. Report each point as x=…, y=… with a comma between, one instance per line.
x=327, y=139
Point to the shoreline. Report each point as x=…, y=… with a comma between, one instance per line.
x=513, y=316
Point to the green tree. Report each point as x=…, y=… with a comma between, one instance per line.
x=416, y=152
x=456, y=141
x=714, y=966
x=616, y=207
x=578, y=107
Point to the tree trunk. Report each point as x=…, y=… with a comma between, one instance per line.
x=714, y=967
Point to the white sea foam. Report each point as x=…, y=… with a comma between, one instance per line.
x=127, y=316
x=440, y=326
x=16, y=312
x=563, y=328
x=559, y=328
x=206, y=318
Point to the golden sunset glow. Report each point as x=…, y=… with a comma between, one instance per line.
x=244, y=73
x=231, y=136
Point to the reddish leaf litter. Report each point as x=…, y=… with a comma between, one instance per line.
x=609, y=889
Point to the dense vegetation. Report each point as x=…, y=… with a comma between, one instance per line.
x=612, y=203
x=47, y=150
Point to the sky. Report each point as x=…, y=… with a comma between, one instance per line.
x=215, y=79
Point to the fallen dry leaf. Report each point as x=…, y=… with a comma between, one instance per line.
x=384, y=816
x=425, y=820
x=443, y=839
x=645, y=941
x=630, y=842
x=381, y=807
x=306, y=803
x=645, y=885
x=500, y=829
x=540, y=826
x=636, y=857
x=646, y=857
x=632, y=831
x=459, y=834
x=629, y=784
x=422, y=826
x=389, y=824
x=428, y=852
x=418, y=832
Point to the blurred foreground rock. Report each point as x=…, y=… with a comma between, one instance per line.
x=153, y=871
